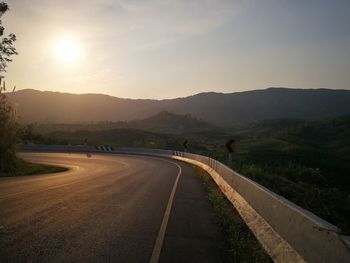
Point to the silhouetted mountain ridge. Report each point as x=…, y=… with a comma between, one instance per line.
x=218, y=108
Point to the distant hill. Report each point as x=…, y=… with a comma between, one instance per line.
x=166, y=122
x=218, y=108
x=163, y=130
x=163, y=122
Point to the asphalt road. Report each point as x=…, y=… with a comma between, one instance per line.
x=107, y=208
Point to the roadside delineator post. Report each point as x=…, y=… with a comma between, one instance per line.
x=229, y=146
x=185, y=145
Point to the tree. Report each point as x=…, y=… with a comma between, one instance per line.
x=7, y=120
x=6, y=44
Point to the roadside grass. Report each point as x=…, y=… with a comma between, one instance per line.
x=27, y=168
x=240, y=244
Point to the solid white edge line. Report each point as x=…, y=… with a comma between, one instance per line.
x=160, y=238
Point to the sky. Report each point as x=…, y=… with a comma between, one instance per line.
x=175, y=48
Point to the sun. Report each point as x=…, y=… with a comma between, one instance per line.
x=67, y=51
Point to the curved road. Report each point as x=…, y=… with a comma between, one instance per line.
x=107, y=208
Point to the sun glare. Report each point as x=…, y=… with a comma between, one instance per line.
x=67, y=51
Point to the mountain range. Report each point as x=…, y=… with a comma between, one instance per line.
x=221, y=109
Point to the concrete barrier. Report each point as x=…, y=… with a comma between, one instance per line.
x=273, y=243
x=288, y=232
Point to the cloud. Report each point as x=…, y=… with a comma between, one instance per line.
x=156, y=22
x=139, y=23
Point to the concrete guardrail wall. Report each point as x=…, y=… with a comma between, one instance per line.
x=314, y=239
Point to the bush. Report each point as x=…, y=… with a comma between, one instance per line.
x=8, y=158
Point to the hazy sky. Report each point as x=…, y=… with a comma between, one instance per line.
x=174, y=48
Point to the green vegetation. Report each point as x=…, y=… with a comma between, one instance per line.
x=26, y=168
x=8, y=159
x=307, y=162
x=7, y=136
x=240, y=243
